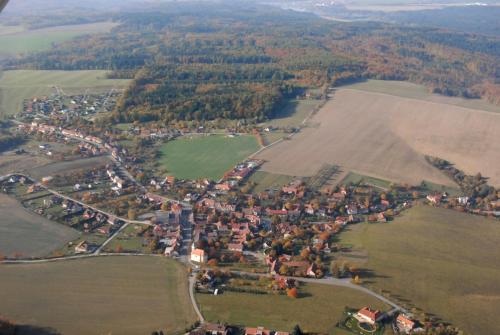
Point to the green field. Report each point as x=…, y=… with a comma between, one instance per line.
x=206, y=156
x=414, y=91
x=293, y=113
x=320, y=308
x=28, y=234
x=355, y=178
x=106, y=295
x=441, y=261
x=266, y=180
x=18, y=40
x=17, y=85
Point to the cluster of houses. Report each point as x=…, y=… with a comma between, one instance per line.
x=221, y=329
x=464, y=203
x=118, y=182
x=238, y=174
x=169, y=228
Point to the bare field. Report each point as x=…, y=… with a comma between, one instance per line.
x=28, y=234
x=68, y=166
x=94, y=296
x=10, y=163
x=388, y=136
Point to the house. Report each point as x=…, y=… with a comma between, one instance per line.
x=404, y=323
x=82, y=247
x=368, y=315
x=257, y=331
x=199, y=256
x=237, y=247
x=435, y=198
x=215, y=329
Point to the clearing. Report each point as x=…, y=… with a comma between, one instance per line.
x=440, y=260
x=18, y=85
x=115, y=294
x=29, y=235
x=318, y=310
x=18, y=40
x=387, y=137
x=201, y=156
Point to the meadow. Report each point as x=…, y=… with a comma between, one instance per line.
x=318, y=309
x=202, y=156
x=27, y=234
x=293, y=113
x=67, y=167
x=387, y=137
x=106, y=295
x=16, y=40
x=438, y=260
x=268, y=181
x=18, y=85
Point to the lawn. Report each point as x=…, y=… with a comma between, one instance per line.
x=353, y=177
x=19, y=40
x=318, y=310
x=106, y=295
x=28, y=234
x=206, y=156
x=438, y=260
x=18, y=85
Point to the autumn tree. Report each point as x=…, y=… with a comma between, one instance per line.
x=292, y=293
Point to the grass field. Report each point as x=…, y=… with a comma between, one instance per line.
x=67, y=167
x=18, y=40
x=388, y=136
x=205, y=156
x=293, y=113
x=318, y=310
x=442, y=261
x=409, y=90
x=107, y=295
x=29, y=234
x=17, y=85
x=265, y=180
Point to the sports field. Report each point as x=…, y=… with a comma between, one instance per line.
x=318, y=311
x=18, y=40
x=387, y=137
x=27, y=234
x=93, y=296
x=17, y=85
x=202, y=156
x=439, y=260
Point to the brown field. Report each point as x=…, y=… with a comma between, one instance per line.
x=387, y=137
x=10, y=163
x=95, y=296
x=68, y=166
x=30, y=235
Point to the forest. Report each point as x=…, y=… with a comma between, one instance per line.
x=200, y=61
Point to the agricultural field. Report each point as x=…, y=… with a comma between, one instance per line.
x=106, y=295
x=388, y=137
x=441, y=261
x=18, y=85
x=27, y=234
x=16, y=39
x=201, y=156
x=318, y=310
x=66, y=167
x=10, y=162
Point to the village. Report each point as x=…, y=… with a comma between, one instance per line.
x=284, y=234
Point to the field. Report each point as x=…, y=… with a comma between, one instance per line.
x=387, y=137
x=107, y=295
x=318, y=310
x=293, y=113
x=68, y=166
x=439, y=260
x=205, y=156
x=27, y=234
x=17, y=85
x=18, y=40
x=265, y=180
